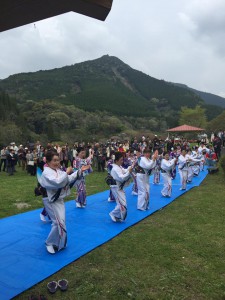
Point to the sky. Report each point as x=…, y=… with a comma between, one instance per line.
x=178, y=41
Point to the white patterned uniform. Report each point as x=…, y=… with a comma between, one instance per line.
x=183, y=170
x=120, y=175
x=194, y=166
x=166, y=166
x=143, y=182
x=201, y=157
x=57, y=186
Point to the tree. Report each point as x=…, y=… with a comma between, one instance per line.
x=193, y=116
x=59, y=120
x=9, y=132
x=92, y=123
x=217, y=123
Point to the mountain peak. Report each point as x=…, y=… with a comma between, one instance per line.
x=108, y=60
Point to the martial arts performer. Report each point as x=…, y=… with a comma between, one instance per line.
x=167, y=166
x=134, y=160
x=200, y=157
x=109, y=166
x=145, y=166
x=193, y=165
x=122, y=177
x=173, y=154
x=80, y=183
x=57, y=183
x=183, y=161
x=156, y=171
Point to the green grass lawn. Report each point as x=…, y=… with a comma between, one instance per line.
x=176, y=253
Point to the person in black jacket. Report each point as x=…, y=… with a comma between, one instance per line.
x=101, y=159
x=11, y=162
x=217, y=144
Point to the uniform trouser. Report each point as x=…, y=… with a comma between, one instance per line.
x=81, y=191
x=167, y=184
x=120, y=211
x=183, y=178
x=47, y=210
x=58, y=235
x=156, y=176
x=111, y=196
x=190, y=173
x=134, y=187
x=201, y=168
x=196, y=169
x=143, y=191
x=174, y=172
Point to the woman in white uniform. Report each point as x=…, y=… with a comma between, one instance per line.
x=57, y=184
x=167, y=166
x=183, y=161
x=121, y=177
x=145, y=165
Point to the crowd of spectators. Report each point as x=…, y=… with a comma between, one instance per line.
x=31, y=156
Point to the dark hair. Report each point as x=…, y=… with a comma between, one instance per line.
x=50, y=154
x=147, y=150
x=79, y=149
x=118, y=155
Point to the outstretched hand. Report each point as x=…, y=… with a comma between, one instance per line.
x=84, y=168
x=155, y=155
x=69, y=170
x=130, y=169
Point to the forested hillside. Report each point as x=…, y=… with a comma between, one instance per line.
x=208, y=98
x=97, y=98
x=102, y=84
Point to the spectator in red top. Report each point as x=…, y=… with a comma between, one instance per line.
x=211, y=157
x=121, y=148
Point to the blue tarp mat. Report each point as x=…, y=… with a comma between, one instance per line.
x=24, y=259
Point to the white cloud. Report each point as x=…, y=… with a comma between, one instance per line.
x=178, y=40
x=206, y=21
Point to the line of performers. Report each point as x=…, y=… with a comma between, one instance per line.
x=139, y=168
x=54, y=183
